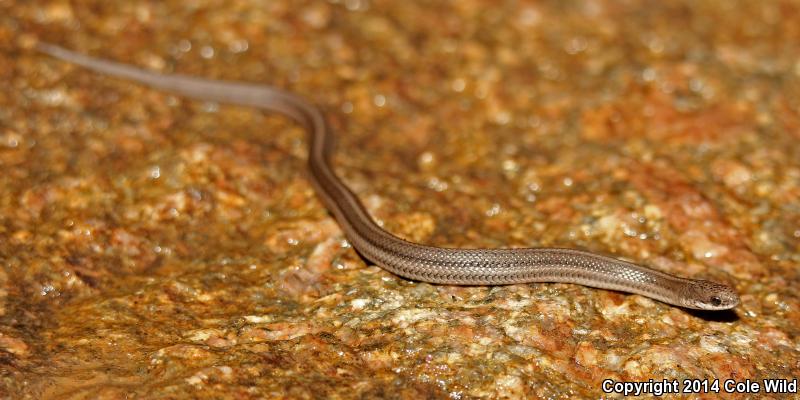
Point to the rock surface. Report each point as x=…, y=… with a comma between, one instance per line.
x=156, y=247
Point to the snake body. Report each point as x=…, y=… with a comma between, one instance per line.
x=412, y=260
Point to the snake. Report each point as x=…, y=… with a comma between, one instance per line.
x=415, y=261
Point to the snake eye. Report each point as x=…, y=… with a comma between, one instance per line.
x=716, y=301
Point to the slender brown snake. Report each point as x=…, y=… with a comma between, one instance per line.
x=412, y=260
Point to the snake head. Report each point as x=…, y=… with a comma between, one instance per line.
x=707, y=295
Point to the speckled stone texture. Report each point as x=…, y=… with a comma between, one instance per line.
x=155, y=247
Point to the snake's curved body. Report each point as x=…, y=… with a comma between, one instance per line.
x=412, y=260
